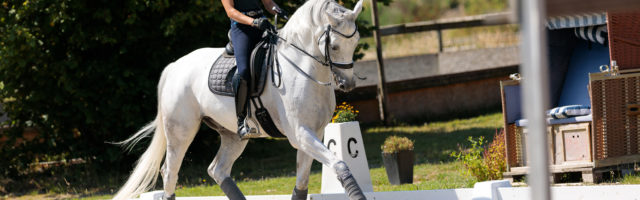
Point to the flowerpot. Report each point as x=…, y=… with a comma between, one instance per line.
x=399, y=166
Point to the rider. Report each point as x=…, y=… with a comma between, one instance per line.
x=247, y=26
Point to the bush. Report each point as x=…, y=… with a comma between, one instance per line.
x=395, y=144
x=344, y=113
x=483, y=164
x=494, y=156
x=472, y=159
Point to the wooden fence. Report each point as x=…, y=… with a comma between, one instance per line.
x=503, y=18
x=493, y=19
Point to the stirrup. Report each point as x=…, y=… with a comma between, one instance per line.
x=250, y=133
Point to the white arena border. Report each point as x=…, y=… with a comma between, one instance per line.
x=490, y=190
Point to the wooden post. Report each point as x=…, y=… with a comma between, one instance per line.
x=440, y=45
x=382, y=92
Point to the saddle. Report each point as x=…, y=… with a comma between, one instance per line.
x=225, y=67
x=261, y=61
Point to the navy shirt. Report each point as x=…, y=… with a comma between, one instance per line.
x=246, y=5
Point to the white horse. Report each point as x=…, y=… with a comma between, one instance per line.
x=318, y=39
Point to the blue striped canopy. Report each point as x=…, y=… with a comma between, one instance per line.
x=574, y=21
x=597, y=34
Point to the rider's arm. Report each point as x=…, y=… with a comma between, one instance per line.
x=269, y=4
x=235, y=14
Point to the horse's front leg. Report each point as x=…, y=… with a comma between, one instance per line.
x=306, y=141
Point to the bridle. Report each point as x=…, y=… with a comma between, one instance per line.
x=327, y=55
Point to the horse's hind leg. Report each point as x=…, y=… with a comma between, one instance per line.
x=231, y=146
x=303, y=169
x=180, y=134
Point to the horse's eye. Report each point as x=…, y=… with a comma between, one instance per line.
x=335, y=47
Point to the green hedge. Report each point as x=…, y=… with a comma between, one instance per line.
x=84, y=72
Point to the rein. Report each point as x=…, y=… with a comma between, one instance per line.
x=327, y=57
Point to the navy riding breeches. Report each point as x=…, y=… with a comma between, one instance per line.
x=244, y=39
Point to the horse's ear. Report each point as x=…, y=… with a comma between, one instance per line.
x=357, y=9
x=334, y=14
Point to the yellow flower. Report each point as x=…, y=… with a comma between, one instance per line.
x=343, y=113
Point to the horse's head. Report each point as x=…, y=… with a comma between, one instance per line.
x=327, y=32
x=338, y=40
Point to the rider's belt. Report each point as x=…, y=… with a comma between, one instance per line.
x=253, y=13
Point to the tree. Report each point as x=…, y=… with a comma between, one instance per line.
x=84, y=72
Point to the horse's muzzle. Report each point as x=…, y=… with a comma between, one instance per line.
x=345, y=86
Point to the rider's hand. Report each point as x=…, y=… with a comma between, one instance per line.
x=283, y=13
x=262, y=24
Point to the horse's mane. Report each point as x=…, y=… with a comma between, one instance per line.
x=307, y=18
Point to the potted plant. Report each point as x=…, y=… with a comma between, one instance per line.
x=398, y=158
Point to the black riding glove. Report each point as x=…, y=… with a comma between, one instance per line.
x=283, y=13
x=262, y=24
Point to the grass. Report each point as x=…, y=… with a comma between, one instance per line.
x=275, y=172
x=434, y=141
x=453, y=40
x=630, y=179
x=426, y=177
x=403, y=11
x=268, y=166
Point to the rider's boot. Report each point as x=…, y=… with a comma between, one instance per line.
x=241, y=90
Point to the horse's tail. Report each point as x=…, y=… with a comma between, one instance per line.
x=146, y=171
x=145, y=174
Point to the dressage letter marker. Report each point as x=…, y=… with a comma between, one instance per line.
x=345, y=141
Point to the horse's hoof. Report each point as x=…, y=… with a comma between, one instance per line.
x=299, y=194
x=172, y=197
